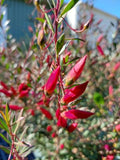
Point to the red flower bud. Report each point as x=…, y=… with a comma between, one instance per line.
x=46, y=113
x=54, y=135
x=62, y=146
x=99, y=39
x=73, y=93
x=75, y=72
x=77, y=114
x=72, y=127
x=23, y=94
x=22, y=87
x=110, y=90
x=100, y=50
x=110, y=157
x=58, y=113
x=116, y=66
x=49, y=128
x=52, y=81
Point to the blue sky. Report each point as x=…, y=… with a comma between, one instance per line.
x=109, y=6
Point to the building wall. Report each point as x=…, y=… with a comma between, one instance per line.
x=20, y=15
x=81, y=13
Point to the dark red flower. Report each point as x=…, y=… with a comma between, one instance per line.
x=13, y=107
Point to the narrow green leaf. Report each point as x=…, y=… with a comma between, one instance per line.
x=5, y=149
x=64, y=47
x=2, y=2
x=5, y=139
x=7, y=112
x=40, y=19
x=69, y=6
x=60, y=43
x=61, y=2
x=3, y=125
x=49, y=22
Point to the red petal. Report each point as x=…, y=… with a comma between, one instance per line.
x=62, y=122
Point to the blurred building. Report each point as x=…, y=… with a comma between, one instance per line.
x=103, y=23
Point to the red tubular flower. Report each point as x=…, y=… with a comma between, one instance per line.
x=72, y=127
x=13, y=107
x=4, y=85
x=13, y=91
x=23, y=93
x=77, y=114
x=54, y=135
x=100, y=50
x=46, y=113
x=75, y=72
x=52, y=81
x=62, y=122
x=73, y=93
x=22, y=87
x=6, y=92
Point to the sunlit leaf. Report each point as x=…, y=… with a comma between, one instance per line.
x=49, y=22
x=69, y=6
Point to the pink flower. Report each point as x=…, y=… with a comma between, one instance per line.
x=100, y=50
x=77, y=114
x=107, y=147
x=62, y=122
x=49, y=128
x=72, y=127
x=13, y=107
x=52, y=81
x=73, y=93
x=75, y=72
x=62, y=146
x=117, y=128
x=46, y=113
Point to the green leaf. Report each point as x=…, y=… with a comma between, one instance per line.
x=7, y=112
x=64, y=47
x=60, y=43
x=5, y=149
x=2, y=2
x=69, y=6
x=49, y=22
x=3, y=125
x=98, y=98
x=61, y=2
x=40, y=19
x=5, y=139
